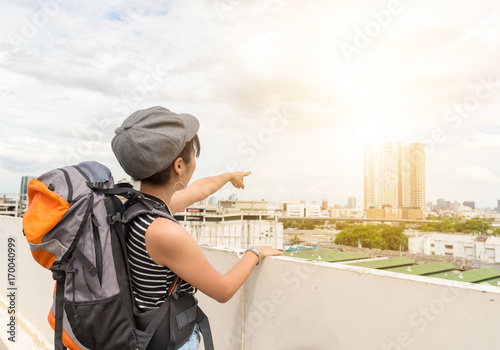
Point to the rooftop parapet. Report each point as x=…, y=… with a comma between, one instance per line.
x=292, y=303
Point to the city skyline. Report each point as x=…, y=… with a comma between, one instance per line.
x=291, y=92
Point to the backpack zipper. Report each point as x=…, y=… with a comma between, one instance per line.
x=97, y=246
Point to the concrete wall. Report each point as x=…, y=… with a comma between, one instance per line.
x=293, y=304
x=32, y=287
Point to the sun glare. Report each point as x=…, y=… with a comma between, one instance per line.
x=369, y=132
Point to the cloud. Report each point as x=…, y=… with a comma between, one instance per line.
x=67, y=87
x=484, y=140
x=476, y=174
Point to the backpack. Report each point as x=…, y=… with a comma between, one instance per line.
x=76, y=227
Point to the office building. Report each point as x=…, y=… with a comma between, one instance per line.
x=394, y=177
x=23, y=191
x=470, y=204
x=351, y=202
x=324, y=204
x=440, y=204
x=429, y=206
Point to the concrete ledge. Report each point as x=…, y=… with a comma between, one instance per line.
x=289, y=303
x=27, y=336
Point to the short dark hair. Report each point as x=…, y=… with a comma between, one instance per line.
x=163, y=176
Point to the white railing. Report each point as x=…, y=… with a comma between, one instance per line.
x=294, y=304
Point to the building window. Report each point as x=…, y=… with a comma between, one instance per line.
x=432, y=245
x=448, y=246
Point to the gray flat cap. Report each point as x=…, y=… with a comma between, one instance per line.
x=149, y=140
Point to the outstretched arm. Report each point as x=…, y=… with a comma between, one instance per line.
x=203, y=188
x=169, y=244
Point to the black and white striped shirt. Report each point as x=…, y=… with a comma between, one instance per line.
x=150, y=281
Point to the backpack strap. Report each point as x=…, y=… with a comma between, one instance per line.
x=142, y=205
x=59, y=276
x=204, y=325
x=134, y=208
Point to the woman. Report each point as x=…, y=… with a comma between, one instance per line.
x=158, y=147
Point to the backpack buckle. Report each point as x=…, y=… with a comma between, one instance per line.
x=57, y=274
x=97, y=185
x=114, y=218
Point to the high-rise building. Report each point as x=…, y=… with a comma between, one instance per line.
x=440, y=204
x=394, y=176
x=24, y=187
x=324, y=204
x=454, y=206
x=351, y=202
x=470, y=204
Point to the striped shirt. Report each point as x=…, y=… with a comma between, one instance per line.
x=150, y=281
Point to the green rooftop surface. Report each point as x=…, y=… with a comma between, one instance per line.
x=329, y=255
x=471, y=276
x=425, y=269
x=440, y=269
x=385, y=263
x=494, y=282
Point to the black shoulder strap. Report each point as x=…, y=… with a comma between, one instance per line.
x=134, y=208
x=59, y=276
x=204, y=325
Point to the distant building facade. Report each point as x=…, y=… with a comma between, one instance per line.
x=351, y=202
x=324, y=204
x=302, y=209
x=23, y=190
x=233, y=227
x=12, y=204
x=348, y=213
x=440, y=204
x=16, y=204
x=470, y=204
x=394, y=178
x=474, y=247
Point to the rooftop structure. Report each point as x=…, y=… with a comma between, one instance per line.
x=475, y=247
x=12, y=204
x=403, y=264
x=234, y=225
x=293, y=303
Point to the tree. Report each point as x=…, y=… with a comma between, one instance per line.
x=373, y=236
x=341, y=225
x=295, y=240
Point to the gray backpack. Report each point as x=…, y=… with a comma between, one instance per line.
x=76, y=227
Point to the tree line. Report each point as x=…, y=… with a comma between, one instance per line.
x=373, y=236
x=468, y=226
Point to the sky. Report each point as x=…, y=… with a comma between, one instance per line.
x=290, y=90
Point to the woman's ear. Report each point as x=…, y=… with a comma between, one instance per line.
x=178, y=165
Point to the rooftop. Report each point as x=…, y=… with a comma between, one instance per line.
x=297, y=303
x=440, y=269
